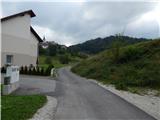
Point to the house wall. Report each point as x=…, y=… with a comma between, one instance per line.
x=33, y=45
x=18, y=26
x=17, y=40
x=0, y=47
x=20, y=59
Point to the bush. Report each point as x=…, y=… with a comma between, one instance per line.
x=42, y=71
x=48, y=70
x=3, y=70
x=121, y=86
x=129, y=54
x=48, y=60
x=30, y=71
x=116, y=45
x=82, y=55
x=64, y=59
x=25, y=70
x=21, y=70
x=34, y=72
x=38, y=71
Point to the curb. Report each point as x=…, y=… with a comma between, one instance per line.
x=47, y=112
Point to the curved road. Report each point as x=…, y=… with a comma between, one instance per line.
x=79, y=99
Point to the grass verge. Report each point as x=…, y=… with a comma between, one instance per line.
x=21, y=107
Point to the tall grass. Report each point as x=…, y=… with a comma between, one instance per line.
x=137, y=66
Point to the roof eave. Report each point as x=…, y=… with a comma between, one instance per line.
x=30, y=12
x=35, y=34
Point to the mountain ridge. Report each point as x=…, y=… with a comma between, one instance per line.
x=99, y=44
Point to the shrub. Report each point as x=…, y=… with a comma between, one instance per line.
x=38, y=71
x=48, y=60
x=150, y=77
x=121, y=86
x=31, y=66
x=3, y=70
x=22, y=70
x=129, y=54
x=82, y=55
x=64, y=59
x=34, y=72
x=116, y=45
x=42, y=71
x=48, y=70
x=25, y=70
x=30, y=71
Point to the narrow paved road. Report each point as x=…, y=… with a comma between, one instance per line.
x=79, y=99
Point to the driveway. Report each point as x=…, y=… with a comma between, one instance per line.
x=35, y=85
x=79, y=99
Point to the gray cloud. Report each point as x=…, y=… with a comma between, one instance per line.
x=71, y=23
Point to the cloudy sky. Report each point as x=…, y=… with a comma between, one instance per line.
x=75, y=22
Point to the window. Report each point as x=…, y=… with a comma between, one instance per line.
x=9, y=59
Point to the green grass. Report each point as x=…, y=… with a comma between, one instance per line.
x=138, y=66
x=55, y=61
x=21, y=107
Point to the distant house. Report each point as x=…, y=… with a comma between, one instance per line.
x=19, y=40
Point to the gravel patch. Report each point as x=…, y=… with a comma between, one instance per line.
x=148, y=103
x=47, y=112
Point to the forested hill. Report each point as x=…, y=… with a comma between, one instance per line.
x=94, y=46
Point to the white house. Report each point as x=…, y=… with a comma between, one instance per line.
x=19, y=40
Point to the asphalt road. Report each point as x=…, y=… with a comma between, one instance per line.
x=30, y=85
x=79, y=99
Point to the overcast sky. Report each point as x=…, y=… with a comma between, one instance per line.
x=75, y=22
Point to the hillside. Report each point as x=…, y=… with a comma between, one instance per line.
x=100, y=44
x=50, y=48
x=51, y=53
x=137, y=65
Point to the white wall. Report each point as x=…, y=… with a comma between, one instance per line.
x=33, y=45
x=18, y=26
x=18, y=40
x=15, y=44
x=0, y=46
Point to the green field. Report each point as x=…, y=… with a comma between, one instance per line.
x=136, y=66
x=20, y=107
x=55, y=61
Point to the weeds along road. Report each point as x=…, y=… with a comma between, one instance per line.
x=79, y=99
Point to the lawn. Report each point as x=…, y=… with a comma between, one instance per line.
x=21, y=107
